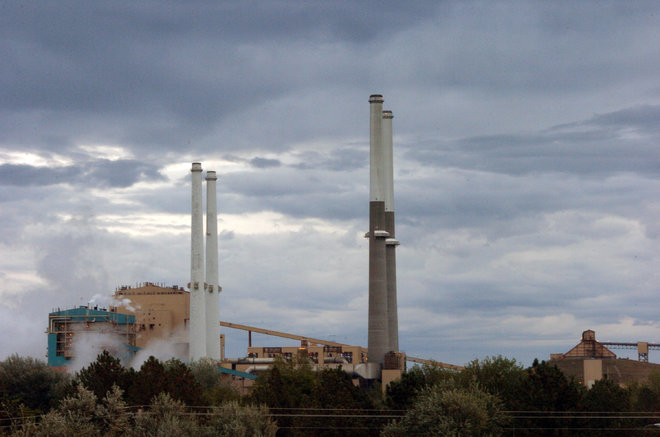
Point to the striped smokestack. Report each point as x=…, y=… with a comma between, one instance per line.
x=197, y=333
x=378, y=329
x=391, y=242
x=212, y=288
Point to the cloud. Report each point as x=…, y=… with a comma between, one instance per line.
x=264, y=162
x=606, y=144
x=102, y=173
x=526, y=170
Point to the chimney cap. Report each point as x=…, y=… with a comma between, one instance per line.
x=388, y=114
x=376, y=98
x=196, y=166
x=210, y=175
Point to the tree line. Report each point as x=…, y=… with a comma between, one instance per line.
x=490, y=397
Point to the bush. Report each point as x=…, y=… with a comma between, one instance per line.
x=447, y=410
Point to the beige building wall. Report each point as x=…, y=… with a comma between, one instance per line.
x=317, y=354
x=160, y=313
x=593, y=371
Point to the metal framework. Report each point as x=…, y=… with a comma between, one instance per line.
x=641, y=346
x=319, y=341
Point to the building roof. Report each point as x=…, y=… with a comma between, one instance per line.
x=84, y=313
x=589, y=348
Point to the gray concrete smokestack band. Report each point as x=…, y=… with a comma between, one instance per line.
x=212, y=288
x=391, y=242
x=378, y=322
x=197, y=333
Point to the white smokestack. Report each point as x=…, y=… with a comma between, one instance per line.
x=213, y=289
x=197, y=333
x=376, y=175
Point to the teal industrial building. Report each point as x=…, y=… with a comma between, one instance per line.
x=105, y=330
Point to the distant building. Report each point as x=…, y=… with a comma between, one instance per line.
x=143, y=314
x=68, y=330
x=160, y=313
x=590, y=361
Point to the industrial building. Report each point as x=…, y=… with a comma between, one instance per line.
x=143, y=313
x=591, y=360
x=95, y=327
x=190, y=320
x=160, y=313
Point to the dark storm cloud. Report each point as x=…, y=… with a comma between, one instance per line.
x=103, y=173
x=26, y=175
x=265, y=162
x=120, y=173
x=621, y=141
x=642, y=119
x=338, y=159
x=194, y=65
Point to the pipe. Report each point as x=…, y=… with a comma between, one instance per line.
x=340, y=360
x=212, y=295
x=257, y=368
x=250, y=360
x=197, y=333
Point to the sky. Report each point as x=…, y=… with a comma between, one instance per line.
x=526, y=148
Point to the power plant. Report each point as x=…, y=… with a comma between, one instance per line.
x=189, y=321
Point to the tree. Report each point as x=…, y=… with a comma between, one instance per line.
x=546, y=388
x=500, y=376
x=292, y=387
x=181, y=383
x=233, y=420
x=447, y=410
x=166, y=417
x=29, y=382
x=285, y=385
x=207, y=377
x=74, y=416
x=402, y=393
x=149, y=381
x=104, y=373
x=606, y=396
x=112, y=414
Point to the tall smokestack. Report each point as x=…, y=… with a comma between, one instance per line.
x=212, y=288
x=391, y=242
x=197, y=333
x=378, y=327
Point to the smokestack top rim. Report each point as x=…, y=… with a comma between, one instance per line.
x=376, y=98
x=210, y=175
x=196, y=166
x=388, y=114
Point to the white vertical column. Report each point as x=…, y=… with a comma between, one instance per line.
x=213, y=289
x=376, y=170
x=197, y=332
